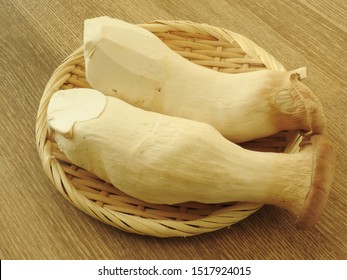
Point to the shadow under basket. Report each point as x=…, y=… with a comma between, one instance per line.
x=208, y=46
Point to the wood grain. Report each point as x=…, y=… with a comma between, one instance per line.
x=36, y=222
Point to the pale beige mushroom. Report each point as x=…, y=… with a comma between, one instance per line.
x=165, y=159
x=131, y=63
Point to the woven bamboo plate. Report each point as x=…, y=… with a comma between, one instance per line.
x=208, y=46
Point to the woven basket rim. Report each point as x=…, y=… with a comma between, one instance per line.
x=53, y=168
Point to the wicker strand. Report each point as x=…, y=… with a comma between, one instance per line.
x=221, y=34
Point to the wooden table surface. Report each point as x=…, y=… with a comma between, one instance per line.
x=36, y=222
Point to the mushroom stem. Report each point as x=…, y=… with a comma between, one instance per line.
x=164, y=159
x=128, y=62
